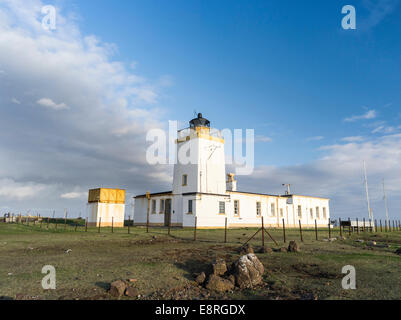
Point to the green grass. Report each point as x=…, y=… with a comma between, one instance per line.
x=162, y=264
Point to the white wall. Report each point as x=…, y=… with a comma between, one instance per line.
x=106, y=213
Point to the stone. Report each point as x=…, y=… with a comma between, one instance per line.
x=218, y=284
x=372, y=243
x=19, y=296
x=293, y=247
x=265, y=250
x=398, y=251
x=131, y=292
x=283, y=250
x=246, y=249
x=231, y=278
x=117, y=288
x=332, y=239
x=219, y=267
x=200, y=279
x=360, y=241
x=248, y=271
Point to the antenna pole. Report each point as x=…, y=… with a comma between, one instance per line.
x=385, y=201
x=367, y=191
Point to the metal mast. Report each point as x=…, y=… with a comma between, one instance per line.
x=367, y=192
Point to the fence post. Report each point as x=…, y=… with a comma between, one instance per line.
x=316, y=230
x=112, y=224
x=225, y=231
x=86, y=225
x=341, y=232
x=357, y=225
x=65, y=221
x=385, y=225
x=100, y=222
x=263, y=233
x=129, y=223
x=40, y=224
x=285, y=240
x=349, y=230
x=329, y=229
x=169, y=224
x=48, y=221
x=76, y=226
x=375, y=225
x=370, y=225
x=381, y=226
x=364, y=226
x=300, y=231
x=56, y=223
x=196, y=225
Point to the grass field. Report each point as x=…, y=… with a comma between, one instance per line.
x=163, y=265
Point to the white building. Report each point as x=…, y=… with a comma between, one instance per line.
x=202, y=189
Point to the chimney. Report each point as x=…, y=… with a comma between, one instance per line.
x=231, y=183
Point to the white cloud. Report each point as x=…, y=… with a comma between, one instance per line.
x=16, y=101
x=65, y=69
x=74, y=195
x=20, y=190
x=317, y=138
x=353, y=139
x=386, y=129
x=339, y=176
x=49, y=103
x=371, y=114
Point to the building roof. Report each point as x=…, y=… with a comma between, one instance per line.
x=155, y=194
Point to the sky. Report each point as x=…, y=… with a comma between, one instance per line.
x=76, y=102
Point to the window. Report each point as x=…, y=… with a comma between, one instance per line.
x=236, y=208
x=162, y=206
x=311, y=213
x=317, y=213
x=258, y=209
x=222, y=207
x=184, y=180
x=281, y=213
x=189, y=206
x=300, y=211
x=273, y=210
x=324, y=213
x=153, y=206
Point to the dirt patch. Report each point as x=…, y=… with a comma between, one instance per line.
x=314, y=271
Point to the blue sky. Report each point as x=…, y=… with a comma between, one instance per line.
x=285, y=68
x=76, y=102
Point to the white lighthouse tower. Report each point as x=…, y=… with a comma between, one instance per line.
x=200, y=165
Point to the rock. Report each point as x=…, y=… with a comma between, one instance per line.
x=293, y=247
x=360, y=241
x=200, y=279
x=342, y=238
x=265, y=250
x=19, y=296
x=398, y=251
x=332, y=239
x=68, y=251
x=117, y=288
x=219, y=267
x=246, y=249
x=218, y=284
x=248, y=271
x=131, y=292
x=283, y=250
x=372, y=243
x=231, y=278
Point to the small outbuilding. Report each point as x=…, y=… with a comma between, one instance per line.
x=106, y=207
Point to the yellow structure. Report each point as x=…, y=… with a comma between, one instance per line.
x=106, y=207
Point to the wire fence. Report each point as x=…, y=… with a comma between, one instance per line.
x=263, y=235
